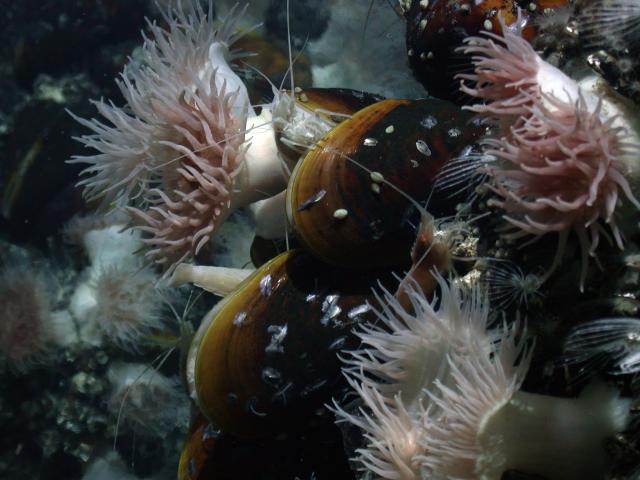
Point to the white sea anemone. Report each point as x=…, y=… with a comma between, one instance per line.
x=481, y=425
x=441, y=399
x=399, y=359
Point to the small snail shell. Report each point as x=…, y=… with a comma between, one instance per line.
x=342, y=198
x=264, y=359
x=300, y=121
x=435, y=29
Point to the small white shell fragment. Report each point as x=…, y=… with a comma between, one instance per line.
x=389, y=129
x=370, y=142
x=340, y=213
x=423, y=148
x=377, y=177
x=375, y=188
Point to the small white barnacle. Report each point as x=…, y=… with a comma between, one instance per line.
x=377, y=177
x=423, y=148
x=340, y=213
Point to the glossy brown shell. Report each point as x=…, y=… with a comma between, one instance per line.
x=435, y=32
x=268, y=358
x=405, y=141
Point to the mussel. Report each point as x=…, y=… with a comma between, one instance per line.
x=351, y=199
x=265, y=359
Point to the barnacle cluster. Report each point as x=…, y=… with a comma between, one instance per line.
x=405, y=281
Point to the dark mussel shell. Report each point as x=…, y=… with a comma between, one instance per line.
x=343, y=198
x=265, y=360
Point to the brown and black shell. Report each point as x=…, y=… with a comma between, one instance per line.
x=266, y=359
x=343, y=198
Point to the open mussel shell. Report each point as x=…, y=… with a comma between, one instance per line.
x=344, y=198
x=265, y=360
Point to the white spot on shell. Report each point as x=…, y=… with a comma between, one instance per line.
x=278, y=334
x=340, y=214
x=429, y=121
x=389, y=129
x=377, y=177
x=359, y=310
x=330, y=308
x=239, y=319
x=487, y=24
x=423, y=148
x=271, y=376
x=265, y=285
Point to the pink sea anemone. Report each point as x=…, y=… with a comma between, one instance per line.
x=26, y=328
x=560, y=171
x=187, y=149
x=563, y=161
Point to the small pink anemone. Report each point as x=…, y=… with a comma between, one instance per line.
x=559, y=171
x=560, y=166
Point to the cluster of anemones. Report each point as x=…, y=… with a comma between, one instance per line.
x=439, y=395
x=564, y=157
